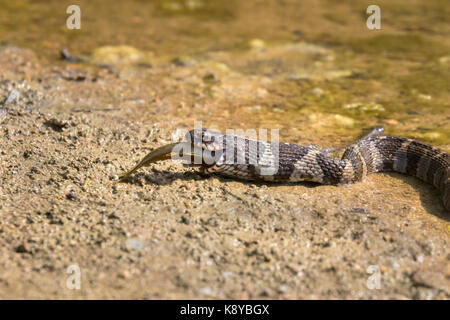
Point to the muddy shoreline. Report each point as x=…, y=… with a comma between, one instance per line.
x=172, y=233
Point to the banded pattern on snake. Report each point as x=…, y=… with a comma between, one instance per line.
x=238, y=157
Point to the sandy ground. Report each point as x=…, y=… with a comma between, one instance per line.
x=169, y=232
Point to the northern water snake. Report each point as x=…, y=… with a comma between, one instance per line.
x=238, y=157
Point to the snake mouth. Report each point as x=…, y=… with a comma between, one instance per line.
x=190, y=154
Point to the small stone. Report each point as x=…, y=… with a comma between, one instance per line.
x=253, y=108
x=34, y=170
x=209, y=77
x=343, y=120
x=22, y=248
x=432, y=135
x=337, y=74
x=185, y=220
x=172, y=6
x=125, y=274
x=114, y=55
x=424, y=96
x=183, y=61
x=134, y=244
x=264, y=293
x=392, y=122
x=256, y=44
x=444, y=60
x=365, y=107
x=318, y=92
x=114, y=215
x=27, y=154
x=194, y=4
x=71, y=196
x=57, y=124
x=214, y=66
x=205, y=290
x=13, y=96
x=261, y=92
x=373, y=107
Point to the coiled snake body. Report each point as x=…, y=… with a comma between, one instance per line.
x=235, y=156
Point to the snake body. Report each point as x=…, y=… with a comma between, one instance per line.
x=309, y=163
x=250, y=159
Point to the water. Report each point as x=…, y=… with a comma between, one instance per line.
x=311, y=69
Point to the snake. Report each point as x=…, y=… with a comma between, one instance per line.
x=239, y=157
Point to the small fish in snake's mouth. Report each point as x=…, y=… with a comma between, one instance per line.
x=199, y=148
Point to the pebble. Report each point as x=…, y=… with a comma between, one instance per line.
x=194, y=4
x=206, y=290
x=253, y=108
x=365, y=107
x=432, y=135
x=125, y=274
x=113, y=55
x=134, y=244
x=424, y=96
x=444, y=60
x=172, y=6
x=337, y=74
x=13, y=96
x=214, y=66
x=391, y=122
x=261, y=92
x=318, y=91
x=343, y=120
x=22, y=248
x=256, y=44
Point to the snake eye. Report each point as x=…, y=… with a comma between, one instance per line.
x=208, y=137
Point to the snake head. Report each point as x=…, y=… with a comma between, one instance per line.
x=200, y=147
x=206, y=139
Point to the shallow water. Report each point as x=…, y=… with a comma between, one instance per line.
x=310, y=69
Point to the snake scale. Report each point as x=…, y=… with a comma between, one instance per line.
x=238, y=157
